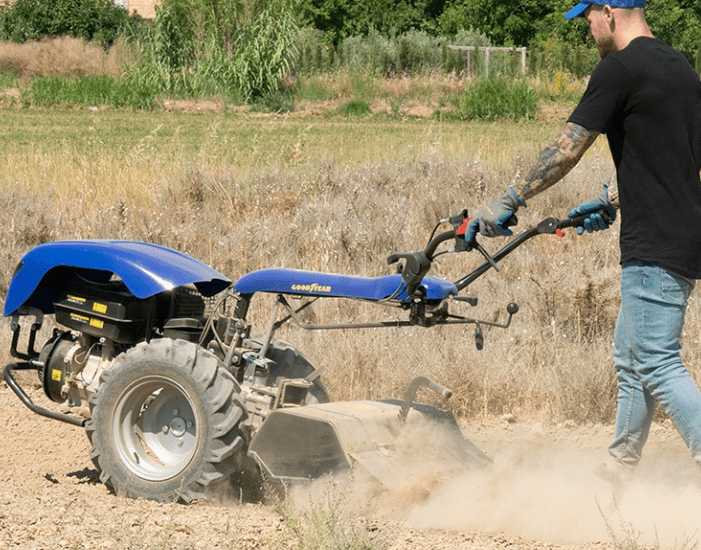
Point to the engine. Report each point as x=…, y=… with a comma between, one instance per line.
x=103, y=321
x=71, y=367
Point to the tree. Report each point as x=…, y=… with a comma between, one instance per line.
x=340, y=19
x=505, y=22
x=88, y=19
x=677, y=22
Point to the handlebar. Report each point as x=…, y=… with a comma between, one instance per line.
x=417, y=264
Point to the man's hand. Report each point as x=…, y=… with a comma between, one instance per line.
x=593, y=207
x=493, y=220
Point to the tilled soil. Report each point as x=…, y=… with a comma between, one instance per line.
x=541, y=492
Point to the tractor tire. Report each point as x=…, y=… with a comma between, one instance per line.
x=166, y=423
x=289, y=363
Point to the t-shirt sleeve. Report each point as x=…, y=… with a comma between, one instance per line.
x=605, y=93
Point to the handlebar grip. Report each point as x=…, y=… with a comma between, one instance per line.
x=578, y=221
x=441, y=390
x=513, y=220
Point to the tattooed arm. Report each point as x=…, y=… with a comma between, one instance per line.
x=553, y=163
x=556, y=160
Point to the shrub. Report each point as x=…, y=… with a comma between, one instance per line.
x=88, y=19
x=413, y=52
x=356, y=107
x=315, y=54
x=494, y=99
x=274, y=102
x=552, y=54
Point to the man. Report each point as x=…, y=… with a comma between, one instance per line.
x=646, y=98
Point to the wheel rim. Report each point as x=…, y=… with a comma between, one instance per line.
x=156, y=428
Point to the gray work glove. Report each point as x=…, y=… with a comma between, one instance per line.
x=595, y=221
x=493, y=220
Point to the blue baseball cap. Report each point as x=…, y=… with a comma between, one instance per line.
x=579, y=8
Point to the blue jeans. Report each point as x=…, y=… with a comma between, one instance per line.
x=648, y=363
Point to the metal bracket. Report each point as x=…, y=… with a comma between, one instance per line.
x=16, y=328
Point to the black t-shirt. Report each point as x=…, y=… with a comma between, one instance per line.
x=646, y=98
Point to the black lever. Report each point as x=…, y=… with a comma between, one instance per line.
x=479, y=337
x=416, y=265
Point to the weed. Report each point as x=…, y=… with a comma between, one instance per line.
x=627, y=537
x=274, y=102
x=355, y=107
x=327, y=524
x=8, y=77
x=494, y=99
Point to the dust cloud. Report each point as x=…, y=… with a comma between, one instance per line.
x=546, y=492
x=534, y=488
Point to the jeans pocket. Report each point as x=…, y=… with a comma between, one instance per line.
x=676, y=289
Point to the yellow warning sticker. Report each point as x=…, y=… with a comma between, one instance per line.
x=97, y=323
x=56, y=375
x=100, y=308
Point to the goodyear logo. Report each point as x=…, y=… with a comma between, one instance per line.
x=312, y=288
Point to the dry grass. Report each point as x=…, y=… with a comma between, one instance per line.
x=65, y=56
x=345, y=214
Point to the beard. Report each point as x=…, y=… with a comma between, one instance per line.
x=606, y=45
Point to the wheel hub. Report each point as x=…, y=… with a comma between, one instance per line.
x=156, y=428
x=177, y=426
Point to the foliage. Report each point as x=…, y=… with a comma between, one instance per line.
x=244, y=50
x=355, y=107
x=88, y=19
x=679, y=24
x=274, y=102
x=495, y=99
x=549, y=55
x=506, y=22
x=563, y=86
x=240, y=49
x=266, y=49
x=315, y=54
x=411, y=53
x=339, y=19
x=90, y=91
x=521, y=22
x=8, y=77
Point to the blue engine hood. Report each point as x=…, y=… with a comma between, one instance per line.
x=146, y=270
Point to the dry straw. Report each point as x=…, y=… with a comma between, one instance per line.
x=65, y=55
x=309, y=212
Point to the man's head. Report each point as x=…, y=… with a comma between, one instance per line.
x=579, y=9
x=612, y=23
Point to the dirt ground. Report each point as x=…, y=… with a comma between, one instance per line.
x=540, y=493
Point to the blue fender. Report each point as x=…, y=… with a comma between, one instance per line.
x=146, y=269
